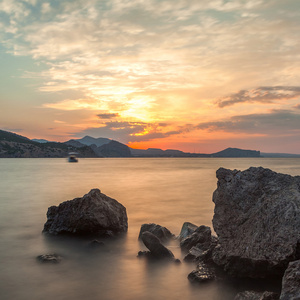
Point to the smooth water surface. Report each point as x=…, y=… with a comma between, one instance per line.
x=166, y=191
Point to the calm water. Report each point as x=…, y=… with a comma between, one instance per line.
x=165, y=191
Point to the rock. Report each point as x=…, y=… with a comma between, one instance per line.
x=291, y=282
x=157, y=249
x=49, y=258
x=144, y=253
x=200, y=237
x=269, y=296
x=257, y=221
x=186, y=230
x=202, y=274
x=161, y=232
x=93, y=214
x=253, y=295
x=96, y=244
x=196, y=254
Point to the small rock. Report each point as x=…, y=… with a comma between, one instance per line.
x=200, y=237
x=202, y=274
x=186, y=230
x=143, y=253
x=196, y=254
x=49, y=258
x=291, y=282
x=156, y=248
x=96, y=244
x=159, y=231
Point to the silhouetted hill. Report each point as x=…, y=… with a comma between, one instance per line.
x=156, y=152
x=14, y=145
x=13, y=137
x=88, y=141
x=114, y=149
x=102, y=147
x=235, y=152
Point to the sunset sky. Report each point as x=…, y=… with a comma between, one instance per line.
x=193, y=75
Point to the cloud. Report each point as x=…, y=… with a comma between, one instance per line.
x=108, y=115
x=120, y=131
x=265, y=94
x=297, y=106
x=128, y=132
x=277, y=122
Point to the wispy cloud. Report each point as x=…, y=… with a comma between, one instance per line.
x=266, y=94
x=274, y=123
x=108, y=115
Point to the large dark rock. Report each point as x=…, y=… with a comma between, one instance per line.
x=291, y=282
x=93, y=214
x=161, y=232
x=157, y=249
x=257, y=221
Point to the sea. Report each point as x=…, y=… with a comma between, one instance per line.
x=165, y=191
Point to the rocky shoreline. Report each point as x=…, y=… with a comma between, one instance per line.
x=256, y=221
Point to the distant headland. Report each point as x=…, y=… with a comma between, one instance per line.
x=13, y=145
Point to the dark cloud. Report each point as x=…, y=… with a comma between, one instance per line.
x=106, y=116
x=129, y=131
x=273, y=123
x=120, y=131
x=264, y=94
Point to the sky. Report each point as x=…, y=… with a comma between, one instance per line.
x=193, y=75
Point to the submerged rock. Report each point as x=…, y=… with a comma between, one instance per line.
x=157, y=249
x=291, y=282
x=93, y=214
x=159, y=231
x=49, y=258
x=95, y=244
x=257, y=221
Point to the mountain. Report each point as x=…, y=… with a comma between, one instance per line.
x=114, y=149
x=102, y=147
x=14, y=145
x=88, y=141
x=13, y=137
x=156, y=152
x=235, y=152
